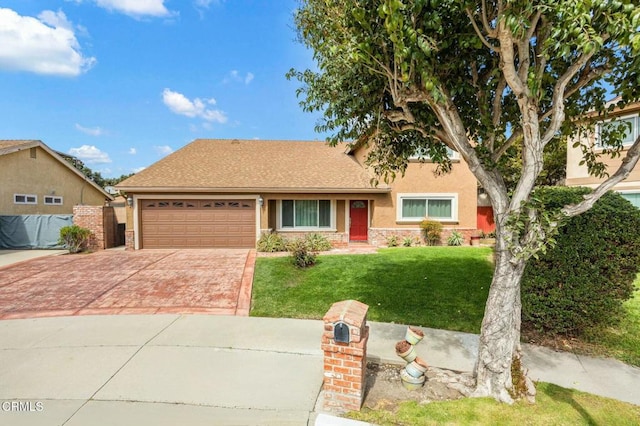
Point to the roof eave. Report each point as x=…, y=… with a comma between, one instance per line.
x=26, y=145
x=37, y=143
x=182, y=189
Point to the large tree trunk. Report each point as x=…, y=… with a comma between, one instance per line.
x=500, y=332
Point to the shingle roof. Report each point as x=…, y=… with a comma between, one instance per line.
x=9, y=146
x=240, y=165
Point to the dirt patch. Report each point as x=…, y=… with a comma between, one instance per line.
x=384, y=389
x=563, y=343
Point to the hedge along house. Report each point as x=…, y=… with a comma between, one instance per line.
x=226, y=193
x=578, y=175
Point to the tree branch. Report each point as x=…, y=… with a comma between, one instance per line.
x=557, y=103
x=507, y=63
x=491, y=32
x=479, y=33
x=628, y=163
x=595, y=73
x=534, y=24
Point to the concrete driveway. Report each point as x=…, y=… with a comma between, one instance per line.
x=211, y=281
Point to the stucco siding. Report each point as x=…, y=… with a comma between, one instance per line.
x=578, y=175
x=420, y=179
x=42, y=176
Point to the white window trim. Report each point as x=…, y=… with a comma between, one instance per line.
x=635, y=130
x=25, y=197
x=332, y=218
x=53, y=197
x=434, y=196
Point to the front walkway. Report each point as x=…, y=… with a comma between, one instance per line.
x=212, y=281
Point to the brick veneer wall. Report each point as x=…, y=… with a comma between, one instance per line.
x=129, y=239
x=378, y=236
x=345, y=364
x=337, y=239
x=100, y=220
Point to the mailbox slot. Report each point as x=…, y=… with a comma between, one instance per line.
x=341, y=332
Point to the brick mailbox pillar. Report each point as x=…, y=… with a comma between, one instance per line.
x=344, y=343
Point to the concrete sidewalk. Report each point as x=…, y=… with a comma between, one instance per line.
x=217, y=370
x=10, y=257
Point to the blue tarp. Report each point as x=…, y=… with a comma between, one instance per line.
x=32, y=231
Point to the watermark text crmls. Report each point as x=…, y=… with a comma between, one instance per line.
x=21, y=406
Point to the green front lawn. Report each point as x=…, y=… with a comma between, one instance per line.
x=554, y=406
x=437, y=287
x=623, y=341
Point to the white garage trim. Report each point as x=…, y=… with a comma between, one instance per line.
x=156, y=196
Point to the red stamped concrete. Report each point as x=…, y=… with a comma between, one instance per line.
x=207, y=281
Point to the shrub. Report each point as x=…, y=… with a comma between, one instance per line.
x=74, y=238
x=582, y=281
x=455, y=239
x=302, y=256
x=406, y=241
x=392, y=241
x=271, y=242
x=431, y=231
x=317, y=242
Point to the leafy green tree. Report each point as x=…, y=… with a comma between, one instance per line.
x=93, y=175
x=490, y=79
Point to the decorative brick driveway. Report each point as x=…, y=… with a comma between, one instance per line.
x=208, y=281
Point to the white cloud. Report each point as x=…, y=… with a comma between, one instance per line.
x=55, y=19
x=138, y=169
x=90, y=154
x=235, y=76
x=180, y=104
x=204, y=3
x=133, y=151
x=163, y=149
x=43, y=45
x=93, y=131
x=134, y=8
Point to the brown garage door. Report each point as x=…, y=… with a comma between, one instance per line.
x=198, y=223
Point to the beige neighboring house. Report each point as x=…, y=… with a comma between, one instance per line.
x=226, y=193
x=577, y=175
x=37, y=180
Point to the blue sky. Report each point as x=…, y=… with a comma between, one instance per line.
x=122, y=83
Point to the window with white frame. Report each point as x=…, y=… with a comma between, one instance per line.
x=306, y=214
x=25, y=199
x=416, y=207
x=632, y=197
x=52, y=200
x=630, y=125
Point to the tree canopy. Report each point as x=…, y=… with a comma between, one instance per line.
x=498, y=81
x=93, y=175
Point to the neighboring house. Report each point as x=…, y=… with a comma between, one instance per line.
x=37, y=183
x=226, y=193
x=577, y=174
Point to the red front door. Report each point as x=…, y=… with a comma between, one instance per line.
x=359, y=220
